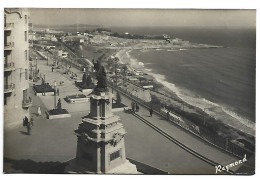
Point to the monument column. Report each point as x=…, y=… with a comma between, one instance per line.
x=101, y=145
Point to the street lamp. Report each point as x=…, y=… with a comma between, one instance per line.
x=55, y=84
x=36, y=71
x=47, y=57
x=112, y=86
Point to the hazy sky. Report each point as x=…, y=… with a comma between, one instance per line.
x=144, y=17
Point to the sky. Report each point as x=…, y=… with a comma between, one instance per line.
x=143, y=17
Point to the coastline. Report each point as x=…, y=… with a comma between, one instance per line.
x=216, y=111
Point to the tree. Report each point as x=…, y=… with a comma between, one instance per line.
x=43, y=82
x=89, y=81
x=124, y=68
x=84, y=78
x=97, y=64
x=118, y=98
x=59, y=105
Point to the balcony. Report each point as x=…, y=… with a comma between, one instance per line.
x=9, y=88
x=27, y=103
x=9, y=67
x=9, y=46
x=9, y=26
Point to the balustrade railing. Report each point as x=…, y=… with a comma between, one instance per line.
x=8, y=88
x=8, y=26
x=9, y=66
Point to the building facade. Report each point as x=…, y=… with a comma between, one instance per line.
x=16, y=61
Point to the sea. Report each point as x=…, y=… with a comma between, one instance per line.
x=220, y=81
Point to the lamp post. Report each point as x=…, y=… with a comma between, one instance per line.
x=44, y=84
x=55, y=84
x=47, y=57
x=112, y=86
x=36, y=71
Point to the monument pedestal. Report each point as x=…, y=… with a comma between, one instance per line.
x=76, y=167
x=101, y=145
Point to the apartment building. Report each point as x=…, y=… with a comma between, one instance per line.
x=16, y=61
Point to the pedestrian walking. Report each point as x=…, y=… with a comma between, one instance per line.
x=151, y=112
x=39, y=111
x=52, y=69
x=32, y=121
x=29, y=128
x=132, y=105
x=168, y=115
x=25, y=121
x=137, y=107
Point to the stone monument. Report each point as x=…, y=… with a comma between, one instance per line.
x=101, y=145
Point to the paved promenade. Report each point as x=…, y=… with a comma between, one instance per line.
x=53, y=142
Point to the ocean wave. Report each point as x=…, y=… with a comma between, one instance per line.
x=141, y=63
x=241, y=119
x=135, y=64
x=209, y=102
x=173, y=50
x=148, y=70
x=210, y=108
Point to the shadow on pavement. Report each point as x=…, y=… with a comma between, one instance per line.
x=24, y=133
x=146, y=169
x=35, y=114
x=30, y=166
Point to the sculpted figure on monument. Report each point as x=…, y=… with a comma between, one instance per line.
x=101, y=77
x=116, y=138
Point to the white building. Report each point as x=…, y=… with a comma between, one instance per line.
x=16, y=63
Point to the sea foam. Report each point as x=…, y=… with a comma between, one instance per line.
x=210, y=108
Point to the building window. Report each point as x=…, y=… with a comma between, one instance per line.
x=114, y=155
x=25, y=54
x=5, y=100
x=5, y=21
x=25, y=19
x=25, y=35
x=26, y=74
